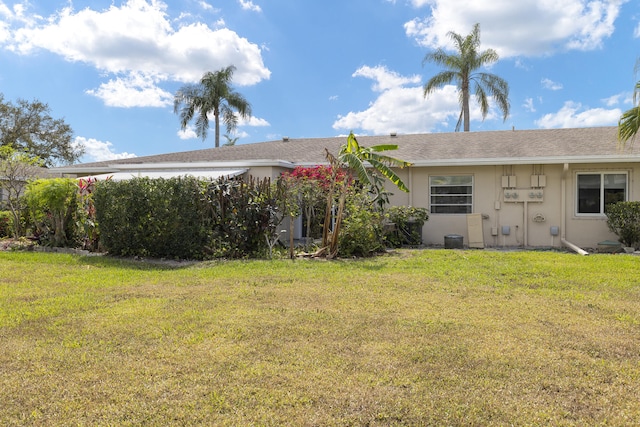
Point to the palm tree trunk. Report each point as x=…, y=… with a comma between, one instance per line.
x=465, y=107
x=217, y=125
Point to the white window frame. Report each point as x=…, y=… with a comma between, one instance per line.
x=602, y=174
x=432, y=195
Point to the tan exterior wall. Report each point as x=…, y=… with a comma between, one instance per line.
x=529, y=219
x=587, y=231
x=262, y=172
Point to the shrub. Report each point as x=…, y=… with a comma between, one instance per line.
x=151, y=217
x=53, y=205
x=242, y=216
x=623, y=219
x=185, y=218
x=407, y=225
x=361, y=231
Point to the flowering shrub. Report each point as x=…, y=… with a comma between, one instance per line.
x=311, y=185
x=86, y=222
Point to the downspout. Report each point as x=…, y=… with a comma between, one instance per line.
x=525, y=220
x=563, y=219
x=410, y=186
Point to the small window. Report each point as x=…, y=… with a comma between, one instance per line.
x=596, y=191
x=451, y=194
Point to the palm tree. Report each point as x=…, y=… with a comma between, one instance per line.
x=629, y=122
x=461, y=67
x=212, y=95
x=230, y=141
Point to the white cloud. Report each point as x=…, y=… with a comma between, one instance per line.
x=206, y=6
x=528, y=105
x=249, y=5
x=253, y=122
x=514, y=28
x=187, y=133
x=134, y=90
x=550, y=84
x=399, y=108
x=99, y=151
x=137, y=39
x=636, y=32
x=385, y=79
x=574, y=115
x=613, y=100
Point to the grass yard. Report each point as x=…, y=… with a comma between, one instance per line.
x=432, y=337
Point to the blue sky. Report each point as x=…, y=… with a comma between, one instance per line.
x=310, y=68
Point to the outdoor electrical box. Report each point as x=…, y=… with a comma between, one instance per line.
x=509, y=181
x=555, y=230
x=538, y=181
x=506, y=230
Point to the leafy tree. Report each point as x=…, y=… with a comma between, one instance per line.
x=52, y=204
x=27, y=127
x=16, y=168
x=629, y=122
x=212, y=95
x=461, y=68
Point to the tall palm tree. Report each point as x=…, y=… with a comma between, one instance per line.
x=629, y=122
x=212, y=95
x=461, y=67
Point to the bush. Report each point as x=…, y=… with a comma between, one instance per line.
x=361, y=231
x=184, y=218
x=242, y=216
x=623, y=219
x=161, y=218
x=5, y=224
x=407, y=225
x=53, y=206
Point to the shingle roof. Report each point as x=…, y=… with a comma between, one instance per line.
x=496, y=147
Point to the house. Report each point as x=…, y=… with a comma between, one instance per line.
x=520, y=188
x=16, y=182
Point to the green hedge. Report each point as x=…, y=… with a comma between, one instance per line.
x=151, y=217
x=184, y=217
x=623, y=218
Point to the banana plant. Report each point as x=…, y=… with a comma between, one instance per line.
x=363, y=163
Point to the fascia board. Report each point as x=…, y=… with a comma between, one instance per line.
x=526, y=161
x=202, y=165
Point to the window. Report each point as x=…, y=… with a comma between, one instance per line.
x=451, y=194
x=598, y=190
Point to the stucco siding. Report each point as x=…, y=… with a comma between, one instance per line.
x=527, y=221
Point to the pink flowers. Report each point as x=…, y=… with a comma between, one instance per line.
x=320, y=174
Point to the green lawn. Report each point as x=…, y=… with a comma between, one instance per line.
x=433, y=337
